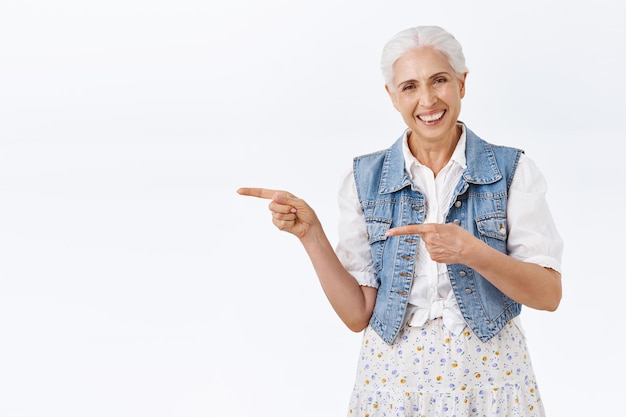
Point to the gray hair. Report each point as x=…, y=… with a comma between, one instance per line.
x=419, y=37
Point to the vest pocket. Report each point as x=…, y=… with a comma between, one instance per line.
x=492, y=229
x=376, y=228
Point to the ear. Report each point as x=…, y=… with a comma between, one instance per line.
x=393, y=97
x=462, y=84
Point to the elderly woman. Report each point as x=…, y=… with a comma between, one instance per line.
x=443, y=237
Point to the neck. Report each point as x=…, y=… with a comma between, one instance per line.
x=434, y=154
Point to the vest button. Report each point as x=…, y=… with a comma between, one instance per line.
x=457, y=203
x=468, y=291
x=462, y=273
x=457, y=222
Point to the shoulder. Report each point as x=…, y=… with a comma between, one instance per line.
x=395, y=148
x=528, y=176
x=473, y=140
x=372, y=155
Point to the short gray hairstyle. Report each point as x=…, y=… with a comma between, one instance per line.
x=419, y=37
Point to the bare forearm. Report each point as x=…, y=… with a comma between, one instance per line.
x=354, y=304
x=346, y=296
x=527, y=283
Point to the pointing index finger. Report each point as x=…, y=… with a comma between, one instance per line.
x=257, y=192
x=412, y=229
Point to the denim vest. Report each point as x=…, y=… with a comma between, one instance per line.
x=389, y=199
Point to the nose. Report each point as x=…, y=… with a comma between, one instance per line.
x=428, y=98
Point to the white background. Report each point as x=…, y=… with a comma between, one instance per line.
x=134, y=281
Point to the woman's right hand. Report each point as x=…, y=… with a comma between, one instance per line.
x=353, y=303
x=289, y=213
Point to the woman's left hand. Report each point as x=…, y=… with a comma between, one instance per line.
x=446, y=243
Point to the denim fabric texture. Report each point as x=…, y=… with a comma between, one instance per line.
x=389, y=199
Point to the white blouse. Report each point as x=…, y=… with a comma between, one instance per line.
x=532, y=234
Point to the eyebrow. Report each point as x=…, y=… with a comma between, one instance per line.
x=435, y=75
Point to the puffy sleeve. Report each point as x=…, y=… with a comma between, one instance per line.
x=533, y=236
x=353, y=249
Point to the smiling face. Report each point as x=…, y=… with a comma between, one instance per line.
x=427, y=93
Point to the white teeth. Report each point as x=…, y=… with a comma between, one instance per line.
x=431, y=117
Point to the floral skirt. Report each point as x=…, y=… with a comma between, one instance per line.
x=431, y=372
